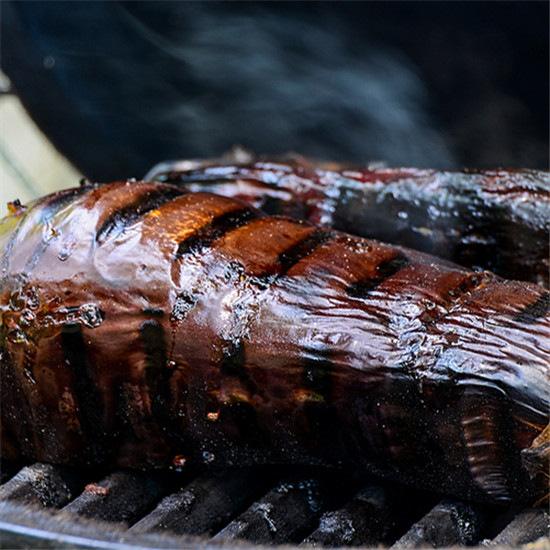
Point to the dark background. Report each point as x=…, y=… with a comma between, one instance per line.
x=120, y=86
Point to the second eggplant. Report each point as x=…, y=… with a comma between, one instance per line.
x=494, y=219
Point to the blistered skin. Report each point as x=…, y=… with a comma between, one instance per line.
x=142, y=325
x=497, y=220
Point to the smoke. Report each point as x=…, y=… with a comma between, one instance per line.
x=135, y=83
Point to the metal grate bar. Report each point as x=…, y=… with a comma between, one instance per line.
x=121, y=497
x=446, y=524
x=206, y=504
x=312, y=507
x=364, y=520
x=526, y=527
x=286, y=513
x=44, y=484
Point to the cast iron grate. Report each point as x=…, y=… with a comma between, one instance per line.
x=47, y=506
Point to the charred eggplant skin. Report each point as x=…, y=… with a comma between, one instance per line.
x=494, y=219
x=141, y=323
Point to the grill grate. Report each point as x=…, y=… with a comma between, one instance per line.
x=48, y=506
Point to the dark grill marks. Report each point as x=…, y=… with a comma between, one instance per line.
x=317, y=373
x=156, y=372
x=533, y=311
x=317, y=396
x=153, y=312
x=384, y=270
x=290, y=257
x=129, y=214
x=233, y=362
x=74, y=355
x=241, y=413
x=215, y=229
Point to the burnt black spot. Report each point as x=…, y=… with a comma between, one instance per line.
x=533, y=311
x=203, y=237
x=362, y=288
x=384, y=270
x=84, y=384
x=152, y=335
x=128, y=215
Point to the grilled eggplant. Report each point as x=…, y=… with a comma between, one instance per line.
x=142, y=325
x=497, y=220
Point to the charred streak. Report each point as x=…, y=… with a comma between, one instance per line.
x=241, y=413
x=157, y=374
x=535, y=310
x=74, y=355
x=317, y=373
x=153, y=312
x=468, y=285
x=317, y=383
x=233, y=362
x=128, y=215
x=384, y=270
x=203, y=237
x=62, y=199
x=300, y=250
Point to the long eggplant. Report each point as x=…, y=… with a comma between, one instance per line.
x=497, y=220
x=144, y=326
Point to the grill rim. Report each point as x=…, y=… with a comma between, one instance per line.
x=31, y=524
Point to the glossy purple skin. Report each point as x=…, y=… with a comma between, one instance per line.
x=490, y=219
x=140, y=323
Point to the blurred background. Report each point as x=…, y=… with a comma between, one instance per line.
x=106, y=90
